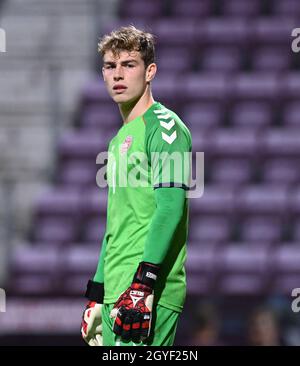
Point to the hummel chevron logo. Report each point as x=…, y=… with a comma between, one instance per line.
x=167, y=125
x=168, y=138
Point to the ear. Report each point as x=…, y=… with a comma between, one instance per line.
x=150, y=72
x=103, y=75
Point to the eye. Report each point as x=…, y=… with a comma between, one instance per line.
x=130, y=65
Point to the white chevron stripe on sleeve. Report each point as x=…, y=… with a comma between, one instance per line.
x=160, y=111
x=167, y=125
x=168, y=138
x=164, y=116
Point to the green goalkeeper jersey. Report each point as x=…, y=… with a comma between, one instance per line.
x=149, y=152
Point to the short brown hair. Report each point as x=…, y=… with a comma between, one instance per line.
x=129, y=39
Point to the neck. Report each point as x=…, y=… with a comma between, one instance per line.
x=131, y=110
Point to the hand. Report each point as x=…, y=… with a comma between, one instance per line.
x=91, y=325
x=133, y=310
x=132, y=313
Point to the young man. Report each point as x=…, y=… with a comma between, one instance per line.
x=138, y=291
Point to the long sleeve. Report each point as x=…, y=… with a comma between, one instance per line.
x=168, y=147
x=99, y=275
x=169, y=209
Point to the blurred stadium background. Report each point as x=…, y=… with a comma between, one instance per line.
x=227, y=68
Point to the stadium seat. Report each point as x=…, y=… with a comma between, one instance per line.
x=75, y=284
x=191, y=8
x=286, y=8
x=280, y=142
x=232, y=172
x=281, y=171
x=291, y=114
x=141, y=9
x=174, y=60
x=263, y=200
x=296, y=230
x=94, y=91
x=223, y=31
x=94, y=229
x=36, y=259
x=34, y=270
x=78, y=265
x=205, y=86
x=174, y=32
x=210, y=229
x=32, y=285
x=200, y=267
x=242, y=269
x=77, y=174
x=220, y=59
x=164, y=87
x=256, y=86
x=217, y=199
x=84, y=145
x=285, y=268
x=251, y=115
x=271, y=59
x=238, y=8
x=200, y=116
x=63, y=201
x=290, y=86
x=55, y=231
x=101, y=117
x=273, y=30
x=294, y=201
x=80, y=258
x=261, y=229
x=233, y=143
x=93, y=202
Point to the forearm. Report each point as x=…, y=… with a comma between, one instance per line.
x=99, y=275
x=169, y=209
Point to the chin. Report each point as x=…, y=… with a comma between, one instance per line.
x=120, y=98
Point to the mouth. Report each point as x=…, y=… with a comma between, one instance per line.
x=119, y=88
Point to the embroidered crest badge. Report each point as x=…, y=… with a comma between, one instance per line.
x=126, y=144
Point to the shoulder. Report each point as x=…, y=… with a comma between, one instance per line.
x=112, y=142
x=163, y=121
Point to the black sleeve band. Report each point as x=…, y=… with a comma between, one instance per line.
x=171, y=185
x=146, y=274
x=95, y=291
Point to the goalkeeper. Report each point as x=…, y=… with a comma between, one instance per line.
x=139, y=288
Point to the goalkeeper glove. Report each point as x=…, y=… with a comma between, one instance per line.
x=91, y=325
x=132, y=311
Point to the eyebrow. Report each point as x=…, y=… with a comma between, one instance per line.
x=122, y=63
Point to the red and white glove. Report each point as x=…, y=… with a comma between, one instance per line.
x=91, y=325
x=133, y=309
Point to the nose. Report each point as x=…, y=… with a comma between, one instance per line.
x=118, y=75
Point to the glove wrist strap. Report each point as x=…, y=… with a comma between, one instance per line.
x=146, y=274
x=95, y=291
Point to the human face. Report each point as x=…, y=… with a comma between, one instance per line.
x=125, y=75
